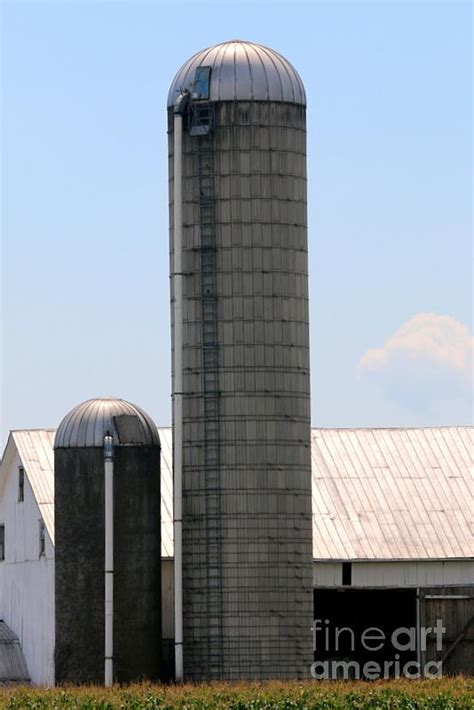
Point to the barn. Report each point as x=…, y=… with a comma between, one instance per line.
x=393, y=567
x=392, y=547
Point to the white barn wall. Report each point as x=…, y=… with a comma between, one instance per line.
x=425, y=573
x=406, y=573
x=26, y=580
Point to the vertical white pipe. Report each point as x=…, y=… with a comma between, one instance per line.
x=177, y=398
x=109, y=559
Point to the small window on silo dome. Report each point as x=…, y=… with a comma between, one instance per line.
x=201, y=84
x=21, y=484
x=129, y=429
x=42, y=538
x=2, y=543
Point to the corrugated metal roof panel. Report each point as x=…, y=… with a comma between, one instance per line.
x=412, y=495
x=6, y=634
x=35, y=449
x=378, y=494
x=386, y=494
x=12, y=662
x=166, y=439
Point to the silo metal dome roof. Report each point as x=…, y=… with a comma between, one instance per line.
x=88, y=423
x=242, y=71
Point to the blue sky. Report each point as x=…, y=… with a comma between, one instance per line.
x=85, y=305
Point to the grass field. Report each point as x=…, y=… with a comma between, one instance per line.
x=441, y=694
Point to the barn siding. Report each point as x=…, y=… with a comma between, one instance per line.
x=454, y=606
x=26, y=581
x=396, y=574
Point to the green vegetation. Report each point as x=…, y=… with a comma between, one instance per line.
x=442, y=694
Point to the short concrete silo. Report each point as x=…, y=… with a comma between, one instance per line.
x=81, y=499
x=241, y=392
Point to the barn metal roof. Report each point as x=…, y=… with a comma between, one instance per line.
x=12, y=662
x=88, y=423
x=378, y=494
x=35, y=449
x=166, y=439
x=392, y=494
x=242, y=71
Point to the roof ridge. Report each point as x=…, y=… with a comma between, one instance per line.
x=313, y=428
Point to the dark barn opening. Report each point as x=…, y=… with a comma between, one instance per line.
x=355, y=626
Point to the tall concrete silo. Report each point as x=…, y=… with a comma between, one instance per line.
x=241, y=391
x=107, y=527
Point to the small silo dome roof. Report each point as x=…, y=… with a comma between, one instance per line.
x=88, y=423
x=242, y=71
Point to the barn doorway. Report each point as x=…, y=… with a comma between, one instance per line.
x=364, y=633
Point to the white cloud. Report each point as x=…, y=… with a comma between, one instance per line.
x=426, y=366
x=441, y=340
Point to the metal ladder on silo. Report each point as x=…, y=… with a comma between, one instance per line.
x=210, y=390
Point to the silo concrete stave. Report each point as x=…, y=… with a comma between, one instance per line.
x=80, y=544
x=245, y=376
